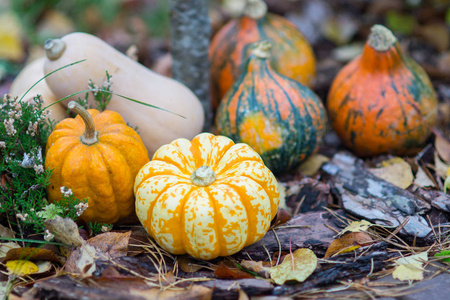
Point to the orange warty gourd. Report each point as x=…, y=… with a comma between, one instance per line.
x=207, y=197
x=382, y=101
x=292, y=55
x=97, y=156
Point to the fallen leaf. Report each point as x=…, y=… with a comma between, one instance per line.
x=410, y=267
x=115, y=244
x=43, y=266
x=312, y=165
x=396, y=171
x=226, y=272
x=442, y=147
x=65, y=231
x=447, y=181
x=435, y=34
x=6, y=232
x=31, y=253
x=21, y=267
x=422, y=179
x=256, y=267
x=82, y=260
x=357, y=226
x=347, y=243
x=5, y=247
x=296, y=266
x=187, y=264
x=440, y=166
x=193, y=292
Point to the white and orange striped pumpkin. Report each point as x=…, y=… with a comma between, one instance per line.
x=207, y=197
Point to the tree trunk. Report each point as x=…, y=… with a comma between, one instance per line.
x=190, y=31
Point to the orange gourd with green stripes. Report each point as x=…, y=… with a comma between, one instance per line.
x=283, y=120
x=382, y=101
x=207, y=197
x=292, y=55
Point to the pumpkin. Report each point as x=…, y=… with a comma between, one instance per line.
x=130, y=79
x=382, y=101
x=283, y=120
x=30, y=74
x=207, y=197
x=292, y=55
x=97, y=156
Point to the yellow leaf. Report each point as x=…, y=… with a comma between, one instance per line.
x=357, y=226
x=312, y=165
x=297, y=266
x=411, y=267
x=396, y=171
x=21, y=267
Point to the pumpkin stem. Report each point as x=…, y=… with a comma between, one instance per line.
x=203, y=176
x=54, y=48
x=381, y=38
x=261, y=49
x=255, y=9
x=90, y=135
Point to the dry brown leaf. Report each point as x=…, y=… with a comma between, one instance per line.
x=226, y=272
x=6, y=232
x=442, y=147
x=441, y=166
x=396, y=171
x=296, y=266
x=256, y=267
x=65, y=231
x=187, y=264
x=115, y=244
x=82, y=260
x=348, y=242
x=31, y=253
x=193, y=292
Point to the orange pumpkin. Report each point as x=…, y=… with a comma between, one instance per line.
x=97, y=156
x=382, y=101
x=207, y=197
x=292, y=55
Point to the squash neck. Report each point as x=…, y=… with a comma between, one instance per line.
x=203, y=176
x=373, y=60
x=90, y=136
x=382, y=50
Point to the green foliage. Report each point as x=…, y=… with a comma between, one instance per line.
x=102, y=95
x=445, y=254
x=401, y=23
x=98, y=228
x=23, y=133
x=157, y=18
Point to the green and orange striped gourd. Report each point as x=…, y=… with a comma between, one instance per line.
x=283, y=120
x=382, y=101
x=292, y=55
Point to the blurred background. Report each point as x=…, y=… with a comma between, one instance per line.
x=336, y=30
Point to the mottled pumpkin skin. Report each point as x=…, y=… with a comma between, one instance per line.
x=382, y=102
x=103, y=172
x=281, y=119
x=206, y=221
x=292, y=55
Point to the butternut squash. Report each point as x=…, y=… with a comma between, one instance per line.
x=30, y=74
x=131, y=79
